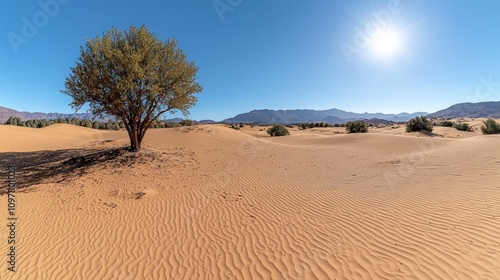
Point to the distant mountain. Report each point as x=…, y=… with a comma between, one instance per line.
x=379, y=121
x=5, y=113
x=178, y=120
x=470, y=110
x=206, y=122
x=299, y=116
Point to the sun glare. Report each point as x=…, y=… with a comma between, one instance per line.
x=386, y=43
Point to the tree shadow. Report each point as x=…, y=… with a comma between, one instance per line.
x=32, y=168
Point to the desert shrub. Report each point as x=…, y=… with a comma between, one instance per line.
x=235, y=127
x=418, y=124
x=186, y=122
x=490, y=126
x=303, y=125
x=356, y=127
x=278, y=130
x=172, y=124
x=462, y=126
x=444, y=123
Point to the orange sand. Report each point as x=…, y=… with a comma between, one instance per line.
x=209, y=202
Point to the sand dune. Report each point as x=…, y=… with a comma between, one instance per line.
x=209, y=202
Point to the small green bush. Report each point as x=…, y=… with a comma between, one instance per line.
x=418, y=124
x=186, y=122
x=235, y=127
x=462, y=126
x=356, y=127
x=171, y=124
x=444, y=123
x=277, y=130
x=490, y=126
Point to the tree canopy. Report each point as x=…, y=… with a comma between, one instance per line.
x=133, y=76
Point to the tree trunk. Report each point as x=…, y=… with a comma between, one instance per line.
x=135, y=141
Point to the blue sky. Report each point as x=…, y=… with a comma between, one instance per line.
x=271, y=54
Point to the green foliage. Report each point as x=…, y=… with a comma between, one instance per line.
x=311, y=125
x=277, y=130
x=448, y=123
x=490, y=126
x=418, y=124
x=302, y=125
x=462, y=126
x=13, y=121
x=356, y=127
x=133, y=76
x=444, y=123
x=171, y=124
x=186, y=122
x=37, y=123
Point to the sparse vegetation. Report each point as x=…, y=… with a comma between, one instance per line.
x=462, y=126
x=278, y=130
x=490, y=126
x=186, y=122
x=458, y=125
x=36, y=123
x=311, y=125
x=356, y=127
x=109, y=125
x=418, y=124
x=445, y=123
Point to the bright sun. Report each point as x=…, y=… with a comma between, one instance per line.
x=386, y=42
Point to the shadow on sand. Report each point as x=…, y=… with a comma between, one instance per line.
x=56, y=166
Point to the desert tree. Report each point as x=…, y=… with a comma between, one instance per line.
x=133, y=76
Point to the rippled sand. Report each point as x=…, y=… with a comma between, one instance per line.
x=210, y=202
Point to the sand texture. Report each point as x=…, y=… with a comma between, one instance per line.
x=210, y=202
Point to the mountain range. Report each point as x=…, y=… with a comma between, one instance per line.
x=332, y=116
x=470, y=110
x=5, y=113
